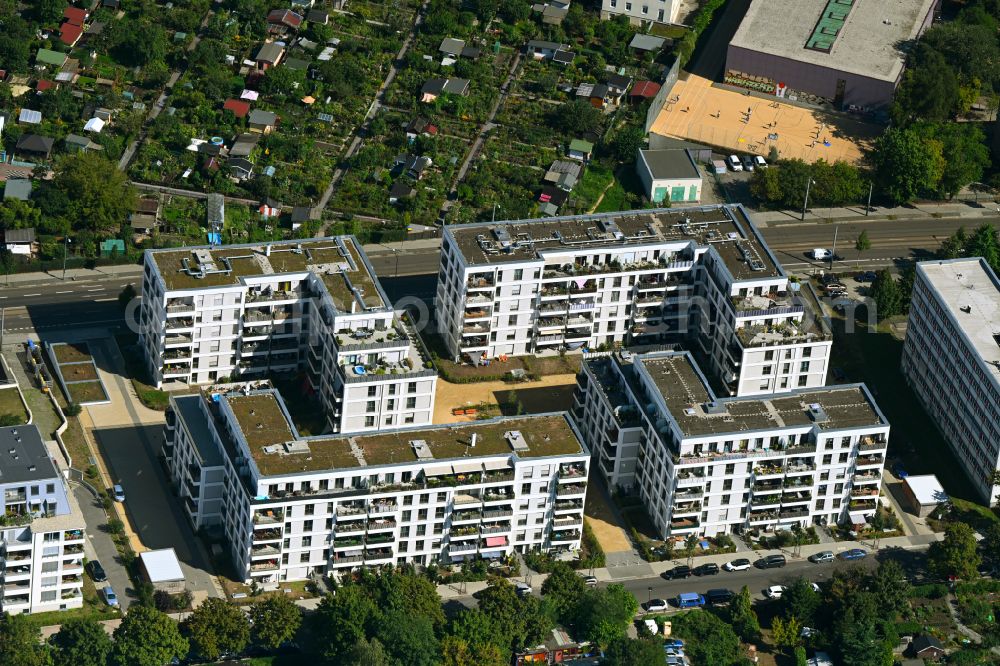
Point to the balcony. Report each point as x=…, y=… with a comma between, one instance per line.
x=869, y=444
x=465, y=516
x=497, y=528
x=467, y=531
x=651, y=284
x=801, y=468
x=489, y=497
x=796, y=498
x=351, y=512
x=463, y=499
x=473, y=342
x=475, y=329
x=179, y=306
x=869, y=461
x=177, y=340
x=761, y=471
x=762, y=517
x=377, y=539
x=571, y=489
x=573, y=471
x=566, y=523
x=69, y=595
x=793, y=513
x=267, y=565
x=378, y=508
x=348, y=559
x=867, y=477
x=693, y=493
x=381, y=525
x=480, y=283
x=73, y=549
x=353, y=542
x=380, y=556
x=353, y=527
x=764, y=487
x=271, y=534
x=16, y=572
x=864, y=493
x=553, y=308
x=73, y=535
x=478, y=299
x=269, y=296
x=262, y=551
x=179, y=324
x=766, y=500
x=14, y=496
x=473, y=315
x=565, y=536
x=267, y=518
x=683, y=524
x=498, y=477
x=493, y=514
x=685, y=508
x=551, y=323
x=469, y=547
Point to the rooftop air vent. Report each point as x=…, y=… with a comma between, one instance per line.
x=420, y=448
x=516, y=440
x=817, y=413
x=966, y=309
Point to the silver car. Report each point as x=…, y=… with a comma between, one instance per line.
x=821, y=557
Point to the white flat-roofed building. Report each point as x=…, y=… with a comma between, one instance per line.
x=702, y=276
x=708, y=465
x=951, y=359
x=43, y=531
x=642, y=11
x=296, y=506
x=924, y=493
x=247, y=312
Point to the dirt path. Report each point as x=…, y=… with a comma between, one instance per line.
x=451, y=395
x=604, y=524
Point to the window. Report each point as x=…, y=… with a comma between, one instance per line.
x=807, y=352
x=411, y=387
x=769, y=355
x=48, y=595
x=512, y=320
x=659, y=16
x=628, y=6
x=519, y=274
x=392, y=389
x=411, y=403
x=372, y=390
x=50, y=488
x=766, y=370
x=369, y=421
x=802, y=381
x=614, y=3
x=645, y=9
x=804, y=366
x=307, y=541
x=391, y=405
x=307, y=526
x=408, y=418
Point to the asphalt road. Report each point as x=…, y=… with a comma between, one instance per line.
x=50, y=303
x=100, y=540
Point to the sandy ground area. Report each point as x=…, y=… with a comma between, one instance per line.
x=609, y=534
x=449, y=395
x=700, y=112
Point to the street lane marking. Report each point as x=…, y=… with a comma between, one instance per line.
x=28, y=295
x=103, y=300
x=97, y=289
x=69, y=291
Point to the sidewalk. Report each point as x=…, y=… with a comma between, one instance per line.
x=610, y=575
x=822, y=214
x=74, y=275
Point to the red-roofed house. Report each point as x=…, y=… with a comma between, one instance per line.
x=280, y=20
x=69, y=33
x=644, y=90
x=239, y=108
x=44, y=84
x=75, y=15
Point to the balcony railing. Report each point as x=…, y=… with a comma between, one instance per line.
x=463, y=547
x=793, y=513
x=267, y=518
x=574, y=489
x=272, y=534
x=267, y=565
x=348, y=559
x=565, y=535
x=490, y=514
x=264, y=550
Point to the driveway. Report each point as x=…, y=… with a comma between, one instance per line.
x=100, y=546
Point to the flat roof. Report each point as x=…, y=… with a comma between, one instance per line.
x=969, y=290
x=23, y=456
x=189, y=408
x=862, y=37
x=161, y=565
x=698, y=412
x=926, y=488
x=277, y=450
x=338, y=260
x=727, y=229
x=669, y=164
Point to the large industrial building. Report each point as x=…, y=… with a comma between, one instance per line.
x=219, y=313
x=707, y=465
x=43, y=530
x=951, y=359
x=293, y=506
x=846, y=52
x=701, y=276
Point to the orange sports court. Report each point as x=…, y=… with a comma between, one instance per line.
x=726, y=119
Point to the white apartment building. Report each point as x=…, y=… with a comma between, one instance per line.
x=951, y=359
x=294, y=506
x=216, y=313
x=707, y=465
x=42, y=529
x=642, y=11
x=701, y=276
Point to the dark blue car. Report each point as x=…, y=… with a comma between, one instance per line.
x=853, y=554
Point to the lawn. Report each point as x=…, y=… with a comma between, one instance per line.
x=78, y=372
x=10, y=403
x=71, y=352
x=85, y=392
x=93, y=608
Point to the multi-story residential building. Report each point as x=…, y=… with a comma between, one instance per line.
x=951, y=359
x=214, y=313
x=701, y=276
x=642, y=11
x=41, y=529
x=294, y=506
x=709, y=465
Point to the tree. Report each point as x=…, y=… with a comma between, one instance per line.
x=275, y=620
x=800, y=656
x=983, y=243
x=20, y=642
x=406, y=591
x=48, y=12
x=575, y=118
x=929, y=90
x=743, y=618
x=126, y=295
x=690, y=543
x=801, y=601
x=409, y=638
x=906, y=165
x=786, y=632
x=479, y=633
x=630, y=652
x=99, y=197
x=708, y=640
x=81, y=642
x=862, y=244
x=341, y=621
x=627, y=142
x=954, y=246
x=217, y=627
x=365, y=653
x=890, y=588
x=956, y=554
x=604, y=614
x=964, y=151
x=885, y=293
x=563, y=588
x=991, y=544
x=147, y=637
x=518, y=620
x=857, y=634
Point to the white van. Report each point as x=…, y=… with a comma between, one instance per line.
x=821, y=253
x=734, y=163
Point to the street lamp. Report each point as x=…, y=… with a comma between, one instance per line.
x=649, y=595
x=805, y=204
x=494, y=216
x=66, y=242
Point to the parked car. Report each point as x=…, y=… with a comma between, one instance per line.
x=865, y=276
x=821, y=557
x=834, y=286
x=656, y=605
x=118, y=492
x=683, y=571
x=748, y=163
x=110, y=598
x=759, y=162
x=899, y=471
x=690, y=600
x=820, y=253
x=523, y=589
x=771, y=562
x=775, y=591
x=719, y=596
x=673, y=643
x=853, y=554
x=734, y=163
x=96, y=571
x=590, y=581
x=709, y=569
x=740, y=564
x=674, y=661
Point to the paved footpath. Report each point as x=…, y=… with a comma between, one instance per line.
x=822, y=215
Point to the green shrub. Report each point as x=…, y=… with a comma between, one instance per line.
x=929, y=590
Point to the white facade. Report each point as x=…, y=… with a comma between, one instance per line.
x=669, y=175
x=701, y=276
x=43, y=532
x=641, y=11
x=951, y=359
x=705, y=465
x=251, y=311
x=295, y=506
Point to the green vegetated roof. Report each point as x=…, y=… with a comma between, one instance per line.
x=830, y=23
